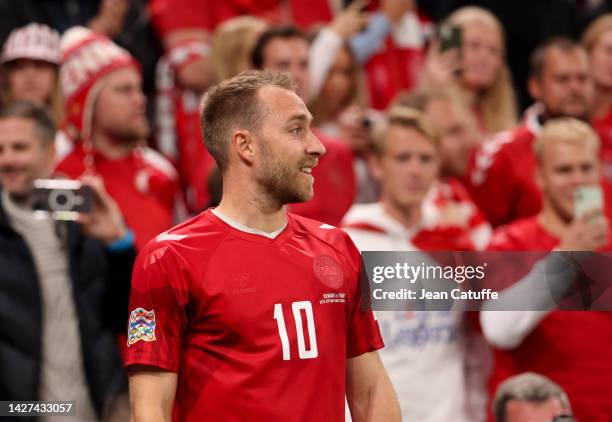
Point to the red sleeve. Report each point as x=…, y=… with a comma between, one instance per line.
x=490, y=180
x=363, y=334
x=158, y=308
x=171, y=15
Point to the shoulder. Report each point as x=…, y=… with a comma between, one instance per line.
x=71, y=163
x=499, y=148
x=516, y=236
x=326, y=234
x=156, y=161
x=192, y=241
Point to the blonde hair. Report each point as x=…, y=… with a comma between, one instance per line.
x=405, y=117
x=232, y=43
x=356, y=95
x=497, y=103
x=564, y=130
x=595, y=30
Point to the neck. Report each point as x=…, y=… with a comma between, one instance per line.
x=110, y=147
x=550, y=220
x=470, y=96
x=249, y=206
x=603, y=100
x=407, y=216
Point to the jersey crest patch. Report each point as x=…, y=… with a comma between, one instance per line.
x=142, y=326
x=328, y=271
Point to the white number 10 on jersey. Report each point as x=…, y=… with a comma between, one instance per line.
x=297, y=308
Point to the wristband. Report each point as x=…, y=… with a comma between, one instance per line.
x=123, y=244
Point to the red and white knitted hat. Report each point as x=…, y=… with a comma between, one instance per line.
x=87, y=58
x=34, y=41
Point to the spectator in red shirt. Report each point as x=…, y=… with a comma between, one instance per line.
x=571, y=348
x=106, y=120
x=501, y=175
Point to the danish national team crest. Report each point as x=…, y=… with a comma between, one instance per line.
x=142, y=326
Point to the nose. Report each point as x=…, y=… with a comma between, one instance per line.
x=314, y=146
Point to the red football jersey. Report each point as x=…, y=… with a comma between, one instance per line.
x=502, y=177
x=255, y=327
x=144, y=185
x=571, y=348
x=603, y=126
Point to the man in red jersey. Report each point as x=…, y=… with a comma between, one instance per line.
x=105, y=119
x=285, y=49
x=571, y=348
x=246, y=311
x=501, y=175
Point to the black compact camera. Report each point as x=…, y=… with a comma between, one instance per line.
x=61, y=199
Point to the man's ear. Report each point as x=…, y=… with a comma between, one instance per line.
x=533, y=86
x=539, y=178
x=374, y=166
x=243, y=144
x=50, y=155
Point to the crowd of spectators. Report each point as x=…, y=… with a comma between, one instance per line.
x=429, y=147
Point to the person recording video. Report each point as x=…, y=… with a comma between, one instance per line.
x=64, y=285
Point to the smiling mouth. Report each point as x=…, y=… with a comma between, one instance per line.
x=307, y=170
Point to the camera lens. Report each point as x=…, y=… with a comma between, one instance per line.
x=61, y=200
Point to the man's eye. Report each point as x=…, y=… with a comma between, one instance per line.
x=296, y=131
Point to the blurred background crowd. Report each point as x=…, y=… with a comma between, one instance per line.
x=448, y=125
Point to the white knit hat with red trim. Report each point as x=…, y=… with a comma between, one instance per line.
x=34, y=41
x=87, y=58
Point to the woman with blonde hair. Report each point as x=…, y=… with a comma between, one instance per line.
x=30, y=64
x=477, y=70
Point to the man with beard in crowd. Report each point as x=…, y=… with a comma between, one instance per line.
x=105, y=110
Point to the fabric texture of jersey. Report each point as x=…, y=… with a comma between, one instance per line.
x=252, y=325
x=571, y=348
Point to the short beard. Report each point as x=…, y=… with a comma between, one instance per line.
x=278, y=182
x=129, y=137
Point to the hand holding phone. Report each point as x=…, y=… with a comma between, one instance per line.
x=587, y=198
x=450, y=37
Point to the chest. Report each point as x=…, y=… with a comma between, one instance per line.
x=276, y=296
